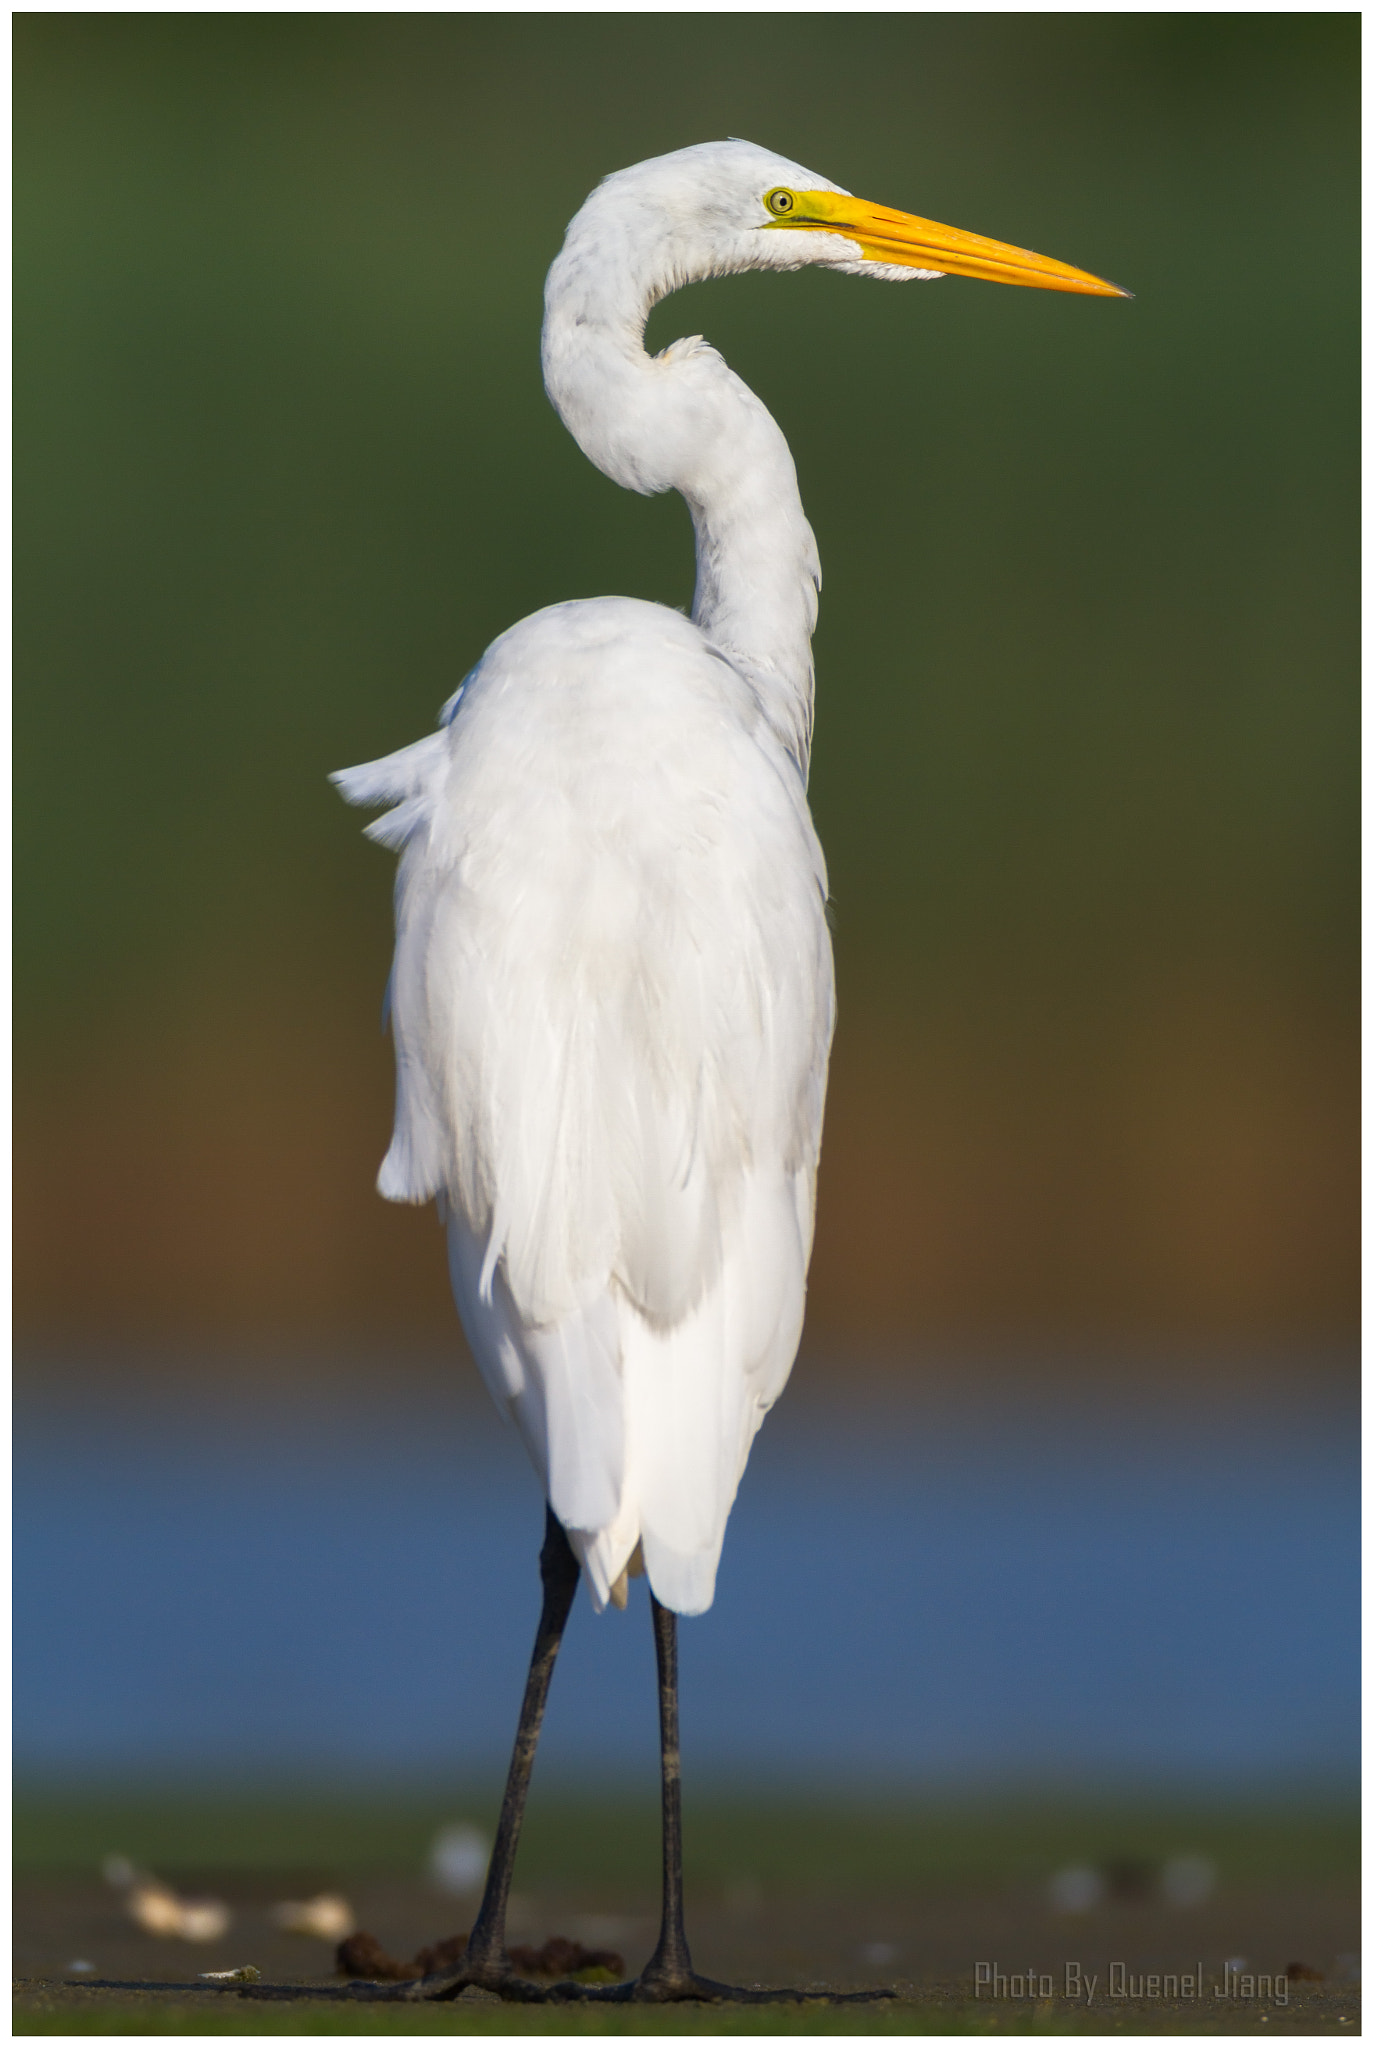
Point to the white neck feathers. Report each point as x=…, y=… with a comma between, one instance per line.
x=683, y=421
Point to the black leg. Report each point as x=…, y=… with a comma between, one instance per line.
x=669, y=1973
x=486, y=1962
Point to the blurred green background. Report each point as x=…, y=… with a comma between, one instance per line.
x=1085, y=759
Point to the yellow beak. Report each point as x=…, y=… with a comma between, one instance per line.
x=886, y=236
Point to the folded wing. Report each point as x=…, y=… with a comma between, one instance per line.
x=612, y=1005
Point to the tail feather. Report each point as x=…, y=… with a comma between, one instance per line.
x=639, y=1434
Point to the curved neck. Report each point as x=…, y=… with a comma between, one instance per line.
x=683, y=421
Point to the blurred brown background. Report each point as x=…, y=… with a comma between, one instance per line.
x=1085, y=760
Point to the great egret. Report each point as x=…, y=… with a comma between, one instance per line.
x=612, y=995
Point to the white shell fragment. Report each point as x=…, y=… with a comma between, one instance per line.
x=328, y=1917
x=160, y=1910
x=246, y=1973
x=157, y=1909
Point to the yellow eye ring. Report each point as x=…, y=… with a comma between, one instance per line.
x=780, y=202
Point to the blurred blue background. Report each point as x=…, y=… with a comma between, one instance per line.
x=948, y=1591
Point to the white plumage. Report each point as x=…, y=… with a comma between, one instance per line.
x=612, y=1007
x=612, y=996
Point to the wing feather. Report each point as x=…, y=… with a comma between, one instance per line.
x=612, y=1002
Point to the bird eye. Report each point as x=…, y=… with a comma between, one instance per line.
x=780, y=202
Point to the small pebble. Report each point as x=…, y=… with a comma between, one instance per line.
x=1076, y=1890
x=457, y=1858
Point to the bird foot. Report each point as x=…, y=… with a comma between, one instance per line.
x=649, y=1989
x=681, y=1987
x=645, y=1990
x=447, y=1984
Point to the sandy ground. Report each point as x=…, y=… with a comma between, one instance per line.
x=925, y=1946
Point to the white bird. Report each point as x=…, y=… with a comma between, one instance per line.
x=612, y=996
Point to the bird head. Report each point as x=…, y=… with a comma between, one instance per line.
x=721, y=207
